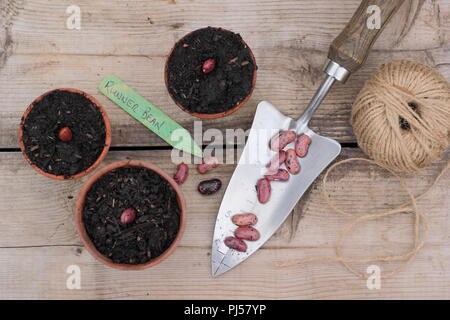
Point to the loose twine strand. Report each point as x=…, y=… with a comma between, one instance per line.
x=407, y=207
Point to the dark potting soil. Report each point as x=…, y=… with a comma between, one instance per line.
x=157, y=215
x=57, y=110
x=221, y=89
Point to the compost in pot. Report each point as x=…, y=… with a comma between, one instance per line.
x=64, y=133
x=131, y=215
x=210, y=71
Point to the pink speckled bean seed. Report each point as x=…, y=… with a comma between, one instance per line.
x=244, y=219
x=280, y=175
x=208, y=66
x=302, y=145
x=207, y=164
x=292, y=164
x=276, y=162
x=247, y=233
x=264, y=190
x=127, y=216
x=181, y=174
x=236, y=244
x=282, y=139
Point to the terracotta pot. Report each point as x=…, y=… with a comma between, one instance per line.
x=209, y=115
x=82, y=230
x=102, y=154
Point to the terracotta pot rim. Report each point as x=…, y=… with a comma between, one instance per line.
x=87, y=240
x=102, y=154
x=210, y=115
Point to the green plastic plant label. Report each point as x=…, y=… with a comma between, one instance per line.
x=148, y=114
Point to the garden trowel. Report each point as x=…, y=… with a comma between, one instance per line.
x=347, y=53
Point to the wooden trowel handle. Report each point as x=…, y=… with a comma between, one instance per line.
x=351, y=48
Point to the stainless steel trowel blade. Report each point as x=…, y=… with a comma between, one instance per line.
x=241, y=196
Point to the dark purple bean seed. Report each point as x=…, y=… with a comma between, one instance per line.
x=236, y=244
x=209, y=186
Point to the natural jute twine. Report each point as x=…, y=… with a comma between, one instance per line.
x=375, y=119
x=407, y=92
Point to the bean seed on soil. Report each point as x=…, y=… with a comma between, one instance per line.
x=127, y=216
x=244, y=219
x=282, y=139
x=208, y=66
x=209, y=186
x=292, y=164
x=236, y=244
x=302, y=145
x=207, y=164
x=264, y=190
x=247, y=233
x=280, y=175
x=181, y=174
x=65, y=134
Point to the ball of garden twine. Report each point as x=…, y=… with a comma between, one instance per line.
x=401, y=117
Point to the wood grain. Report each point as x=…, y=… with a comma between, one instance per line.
x=290, y=41
x=352, y=46
x=31, y=273
x=150, y=28
x=289, y=87
x=40, y=232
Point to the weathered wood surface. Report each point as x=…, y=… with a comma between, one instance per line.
x=38, y=241
x=290, y=40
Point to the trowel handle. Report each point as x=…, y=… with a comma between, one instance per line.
x=351, y=48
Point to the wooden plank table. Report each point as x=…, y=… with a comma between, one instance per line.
x=290, y=40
